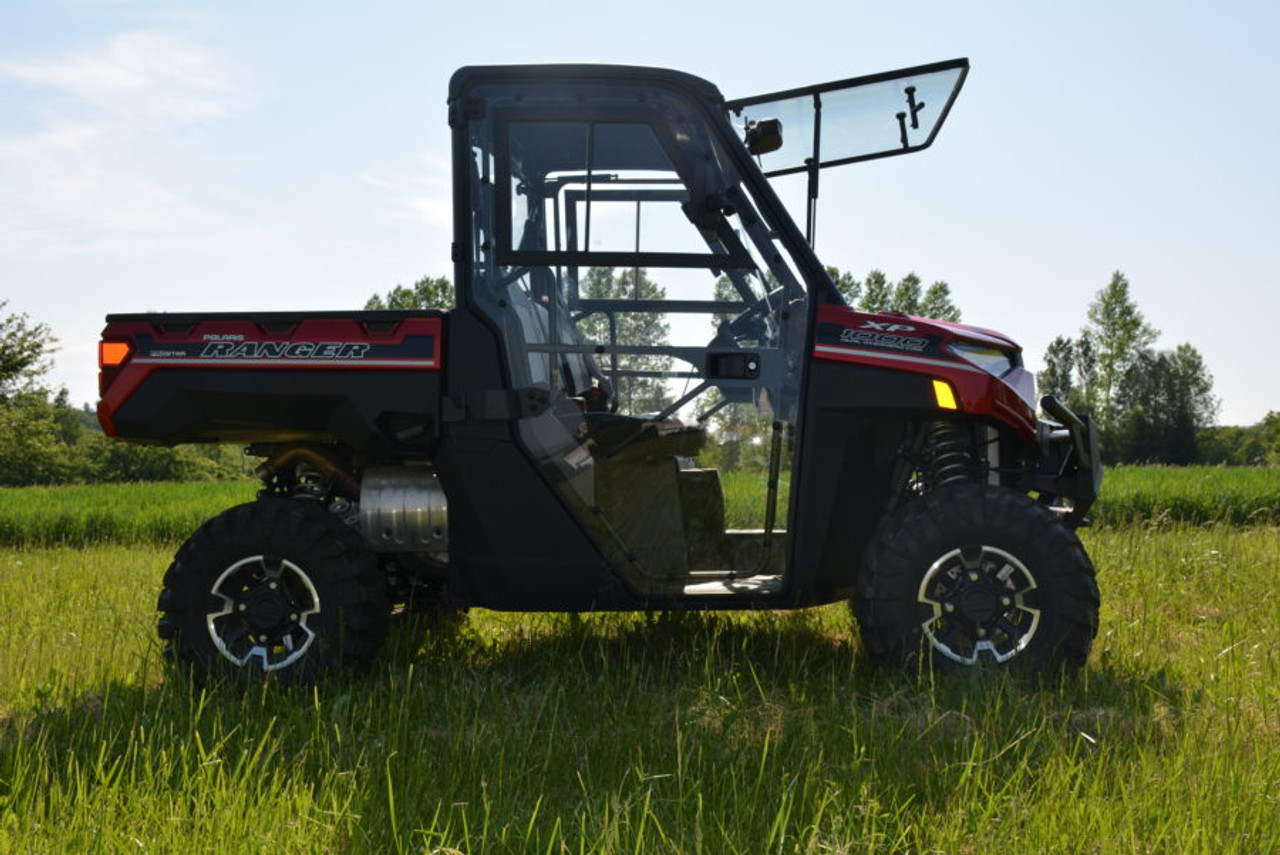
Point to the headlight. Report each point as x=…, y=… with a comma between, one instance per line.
x=1001, y=364
x=991, y=360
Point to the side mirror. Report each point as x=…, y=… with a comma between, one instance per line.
x=763, y=136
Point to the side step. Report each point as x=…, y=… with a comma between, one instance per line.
x=754, y=586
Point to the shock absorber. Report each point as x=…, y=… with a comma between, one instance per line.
x=949, y=457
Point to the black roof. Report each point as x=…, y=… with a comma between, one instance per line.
x=472, y=75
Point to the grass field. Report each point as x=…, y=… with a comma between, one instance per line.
x=753, y=733
x=114, y=513
x=167, y=513
x=1152, y=495
x=1190, y=494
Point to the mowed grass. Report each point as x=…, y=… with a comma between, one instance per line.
x=755, y=733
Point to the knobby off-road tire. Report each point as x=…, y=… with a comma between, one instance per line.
x=276, y=586
x=973, y=574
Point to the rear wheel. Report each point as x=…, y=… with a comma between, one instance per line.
x=278, y=587
x=974, y=574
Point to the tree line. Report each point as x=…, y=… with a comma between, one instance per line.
x=1149, y=405
x=46, y=440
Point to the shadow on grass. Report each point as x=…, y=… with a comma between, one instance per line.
x=776, y=650
x=765, y=657
x=574, y=712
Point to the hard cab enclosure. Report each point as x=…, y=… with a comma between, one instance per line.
x=629, y=289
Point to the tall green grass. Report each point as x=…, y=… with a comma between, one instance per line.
x=758, y=733
x=1146, y=494
x=155, y=512
x=168, y=512
x=1241, y=495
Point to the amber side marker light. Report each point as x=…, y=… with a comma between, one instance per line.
x=944, y=395
x=112, y=353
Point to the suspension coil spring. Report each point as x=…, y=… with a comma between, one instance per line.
x=949, y=459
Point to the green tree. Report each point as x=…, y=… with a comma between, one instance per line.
x=1251, y=445
x=430, y=292
x=849, y=288
x=33, y=446
x=1164, y=402
x=25, y=349
x=1059, y=366
x=1119, y=335
x=44, y=440
x=32, y=450
x=877, y=294
x=1081, y=398
x=107, y=460
x=1148, y=405
x=1190, y=385
x=937, y=303
x=1267, y=432
x=906, y=295
x=633, y=329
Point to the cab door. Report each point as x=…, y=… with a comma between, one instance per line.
x=647, y=305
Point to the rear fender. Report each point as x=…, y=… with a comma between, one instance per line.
x=368, y=379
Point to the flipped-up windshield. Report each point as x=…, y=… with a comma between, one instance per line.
x=847, y=121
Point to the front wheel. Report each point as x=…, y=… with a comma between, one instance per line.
x=973, y=573
x=275, y=586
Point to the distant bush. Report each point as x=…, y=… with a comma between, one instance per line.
x=1253, y=445
x=45, y=442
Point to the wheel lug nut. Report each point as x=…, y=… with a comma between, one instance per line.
x=982, y=633
x=243, y=607
x=949, y=607
x=273, y=586
x=293, y=618
x=973, y=575
x=1005, y=601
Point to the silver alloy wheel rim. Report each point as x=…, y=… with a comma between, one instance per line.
x=227, y=627
x=1013, y=624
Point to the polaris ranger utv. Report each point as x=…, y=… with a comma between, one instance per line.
x=484, y=457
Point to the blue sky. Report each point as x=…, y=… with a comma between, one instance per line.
x=293, y=155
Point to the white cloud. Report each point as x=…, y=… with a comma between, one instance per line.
x=65, y=189
x=66, y=173
x=432, y=210
x=148, y=76
x=425, y=197
x=101, y=170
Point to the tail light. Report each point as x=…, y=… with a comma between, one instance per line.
x=112, y=355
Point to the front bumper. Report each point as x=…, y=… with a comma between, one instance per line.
x=1070, y=468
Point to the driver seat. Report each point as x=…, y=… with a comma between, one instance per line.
x=546, y=320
